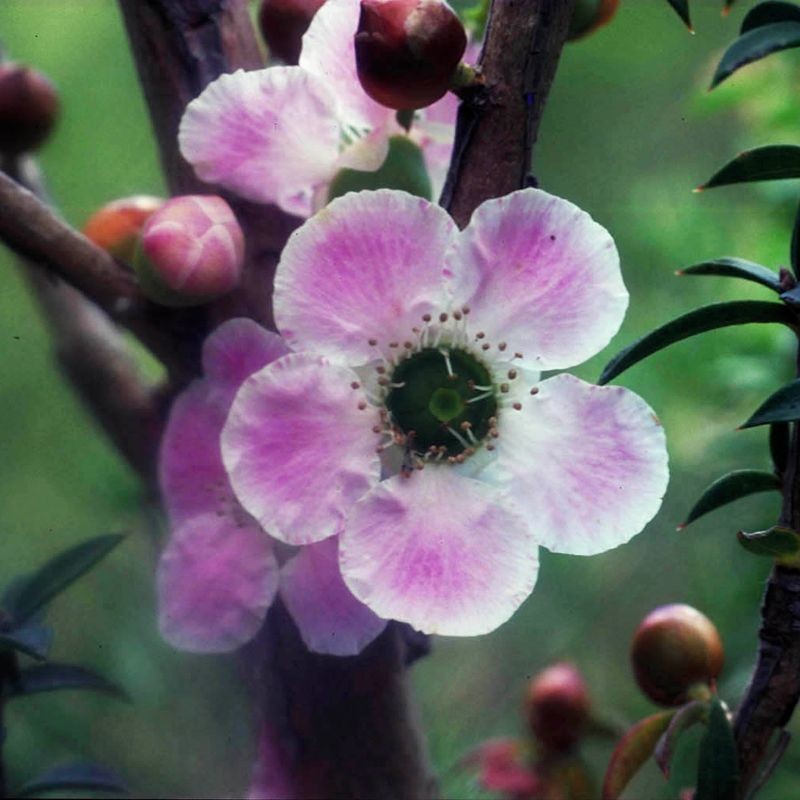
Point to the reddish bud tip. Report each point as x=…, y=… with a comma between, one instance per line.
x=558, y=707
x=408, y=50
x=675, y=648
x=116, y=226
x=191, y=251
x=589, y=15
x=283, y=23
x=28, y=108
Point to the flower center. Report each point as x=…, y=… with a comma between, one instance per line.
x=443, y=400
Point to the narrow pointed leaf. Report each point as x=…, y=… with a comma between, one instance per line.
x=779, y=445
x=53, y=677
x=729, y=267
x=783, y=406
x=707, y=318
x=684, y=718
x=769, y=163
x=83, y=776
x=40, y=587
x=32, y=640
x=718, y=768
x=730, y=487
x=794, y=252
x=774, y=542
x=682, y=10
x=631, y=752
x=768, y=13
x=755, y=45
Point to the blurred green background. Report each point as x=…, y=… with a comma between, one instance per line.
x=628, y=132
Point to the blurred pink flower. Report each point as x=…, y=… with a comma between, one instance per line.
x=417, y=351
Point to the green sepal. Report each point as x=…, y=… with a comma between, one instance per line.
x=54, y=677
x=81, y=776
x=768, y=13
x=729, y=267
x=682, y=10
x=632, y=751
x=718, y=767
x=32, y=640
x=404, y=168
x=755, y=45
x=782, y=406
x=769, y=163
x=707, y=318
x=774, y=542
x=685, y=717
x=33, y=592
x=730, y=487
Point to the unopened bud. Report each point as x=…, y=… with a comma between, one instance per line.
x=408, y=50
x=283, y=23
x=116, y=226
x=191, y=251
x=28, y=108
x=589, y=15
x=558, y=707
x=675, y=649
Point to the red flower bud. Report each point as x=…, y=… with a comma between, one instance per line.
x=283, y=23
x=674, y=649
x=116, y=226
x=589, y=15
x=28, y=108
x=558, y=707
x=408, y=50
x=191, y=251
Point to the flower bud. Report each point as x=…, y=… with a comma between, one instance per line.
x=283, y=23
x=117, y=225
x=675, y=648
x=589, y=15
x=558, y=707
x=28, y=108
x=191, y=250
x=408, y=50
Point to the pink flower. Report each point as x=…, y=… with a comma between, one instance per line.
x=417, y=351
x=219, y=573
x=280, y=135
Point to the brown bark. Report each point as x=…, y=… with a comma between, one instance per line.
x=498, y=124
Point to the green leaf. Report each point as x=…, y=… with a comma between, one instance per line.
x=769, y=163
x=769, y=12
x=794, y=252
x=631, y=752
x=729, y=267
x=707, y=318
x=32, y=640
x=756, y=44
x=718, y=768
x=682, y=10
x=730, y=487
x=82, y=776
x=686, y=716
x=782, y=406
x=53, y=677
x=39, y=588
x=404, y=168
x=774, y=542
x=779, y=445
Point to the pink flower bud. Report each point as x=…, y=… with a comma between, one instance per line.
x=116, y=226
x=191, y=250
x=674, y=649
x=283, y=23
x=558, y=707
x=408, y=50
x=28, y=108
x=589, y=15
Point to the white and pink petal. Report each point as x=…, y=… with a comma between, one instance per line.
x=546, y=278
x=587, y=465
x=330, y=619
x=439, y=551
x=299, y=448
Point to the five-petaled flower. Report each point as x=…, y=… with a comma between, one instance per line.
x=410, y=421
x=280, y=135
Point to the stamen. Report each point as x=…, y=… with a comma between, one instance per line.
x=485, y=346
x=512, y=373
x=362, y=405
x=355, y=385
x=504, y=388
x=443, y=317
x=459, y=438
x=517, y=406
x=502, y=346
x=478, y=397
x=380, y=369
x=517, y=355
x=446, y=354
x=397, y=385
x=535, y=390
